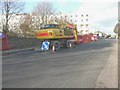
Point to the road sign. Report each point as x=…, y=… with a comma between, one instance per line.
x=45, y=45
x=2, y=35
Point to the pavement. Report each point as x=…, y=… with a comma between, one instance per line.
x=85, y=66
x=108, y=77
x=17, y=50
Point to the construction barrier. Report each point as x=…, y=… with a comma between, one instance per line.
x=89, y=38
x=80, y=39
x=4, y=45
x=85, y=39
x=95, y=37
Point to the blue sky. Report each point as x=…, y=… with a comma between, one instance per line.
x=103, y=12
x=66, y=7
x=29, y=6
x=63, y=7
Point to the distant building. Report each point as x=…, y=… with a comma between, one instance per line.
x=81, y=20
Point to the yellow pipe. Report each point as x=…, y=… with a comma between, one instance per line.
x=75, y=35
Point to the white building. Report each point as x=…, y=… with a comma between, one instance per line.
x=81, y=20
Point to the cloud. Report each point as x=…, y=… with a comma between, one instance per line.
x=101, y=13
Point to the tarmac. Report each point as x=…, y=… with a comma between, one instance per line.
x=108, y=77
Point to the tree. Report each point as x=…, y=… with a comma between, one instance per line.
x=26, y=26
x=45, y=10
x=108, y=36
x=8, y=8
x=117, y=28
x=36, y=21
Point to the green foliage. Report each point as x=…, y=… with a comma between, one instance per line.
x=117, y=29
x=119, y=36
x=11, y=34
x=108, y=36
x=68, y=32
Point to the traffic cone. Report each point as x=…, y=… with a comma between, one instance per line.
x=70, y=45
x=53, y=49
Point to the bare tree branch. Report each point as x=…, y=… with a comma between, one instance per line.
x=44, y=9
x=8, y=8
x=26, y=26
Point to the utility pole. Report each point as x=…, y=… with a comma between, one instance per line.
x=119, y=11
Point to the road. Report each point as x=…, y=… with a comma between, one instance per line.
x=78, y=67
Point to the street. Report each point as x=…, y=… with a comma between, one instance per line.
x=77, y=67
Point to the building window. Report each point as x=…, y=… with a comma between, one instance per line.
x=86, y=25
x=86, y=15
x=81, y=25
x=86, y=19
x=82, y=15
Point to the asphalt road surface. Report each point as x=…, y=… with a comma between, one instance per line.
x=78, y=67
